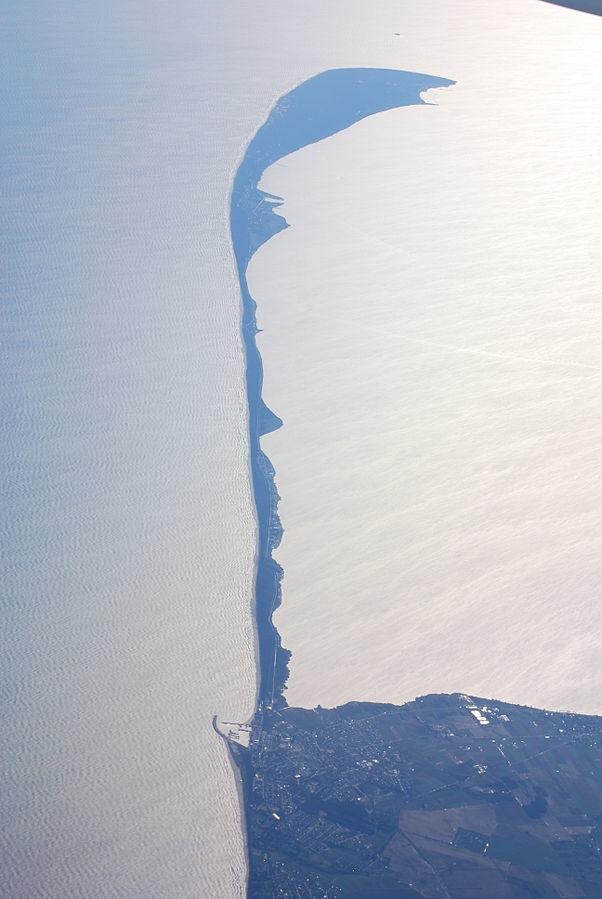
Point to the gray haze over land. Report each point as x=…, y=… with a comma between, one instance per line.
x=589, y=6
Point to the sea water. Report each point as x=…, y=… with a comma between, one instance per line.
x=127, y=524
x=128, y=533
x=432, y=337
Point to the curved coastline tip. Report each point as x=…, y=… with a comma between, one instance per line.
x=317, y=108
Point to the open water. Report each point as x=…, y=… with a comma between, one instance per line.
x=127, y=524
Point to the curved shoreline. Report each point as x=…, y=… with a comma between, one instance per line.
x=317, y=108
x=312, y=111
x=281, y=802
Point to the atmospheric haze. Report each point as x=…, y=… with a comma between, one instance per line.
x=127, y=527
x=432, y=338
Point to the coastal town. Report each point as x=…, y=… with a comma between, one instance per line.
x=447, y=796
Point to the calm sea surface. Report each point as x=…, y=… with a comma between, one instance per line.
x=439, y=463
x=127, y=524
